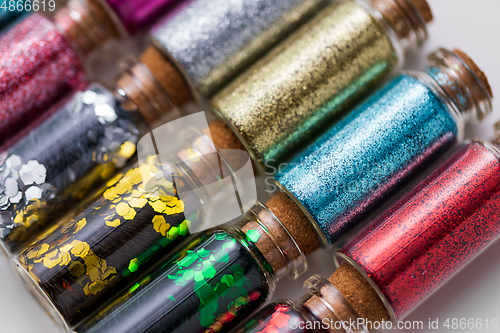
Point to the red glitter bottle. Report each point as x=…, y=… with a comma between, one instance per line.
x=433, y=230
x=322, y=309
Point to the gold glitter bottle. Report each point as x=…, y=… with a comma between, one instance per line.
x=317, y=73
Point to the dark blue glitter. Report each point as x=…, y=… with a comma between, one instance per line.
x=369, y=154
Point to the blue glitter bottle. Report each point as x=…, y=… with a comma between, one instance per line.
x=383, y=143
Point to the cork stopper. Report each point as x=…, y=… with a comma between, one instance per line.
x=327, y=304
x=86, y=24
x=463, y=83
x=359, y=293
x=153, y=86
x=475, y=69
x=424, y=9
x=167, y=75
x=295, y=221
x=407, y=18
x=222, y=136
x=285, y=235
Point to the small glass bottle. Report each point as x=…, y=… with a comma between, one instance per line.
x=323, y=309
x=213, y=41
x=80, y=264
x=318, y=73
x=65, y=161
x=385, y=142
x=83, y=262
x=213, y=282
x=43, y=60
x=433, y=230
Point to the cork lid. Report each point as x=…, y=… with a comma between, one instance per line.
x=167, y=75
x=87, y=24
x=360, y=294
x=463, y=82
x=297, y=224
x=475, y=69
x=153, y=86
x=407, y=18
x=424, y=9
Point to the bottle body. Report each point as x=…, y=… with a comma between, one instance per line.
x=279, y=317
x=138, y=16
x=366, y=156
x=82, y=262
x=315, y=75
x=322, y=309
x=207, y=285
x=71, y=154
x=433, y=230
x=212, y=42
x=39, y=68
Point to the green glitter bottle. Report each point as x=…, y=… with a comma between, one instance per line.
x=217, y=279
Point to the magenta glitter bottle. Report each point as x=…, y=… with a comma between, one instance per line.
x=433, y=230
x=141, y=15
x=43, y=59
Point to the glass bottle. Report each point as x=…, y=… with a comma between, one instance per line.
x=323, y=309
x=210, y=284
x=433, y=230
x=73, y=153
x=317, y=73
x=385, y=142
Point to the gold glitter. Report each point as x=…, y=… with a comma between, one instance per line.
x=287, y=97
x=160, y=225
x=115, y=223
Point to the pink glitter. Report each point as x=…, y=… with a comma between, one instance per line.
x=37, y=69
x=433, y=230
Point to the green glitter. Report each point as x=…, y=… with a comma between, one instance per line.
x=228, y=279
x=216, y=285
x=253, y=235
x=133, y=266
x=184, y=228
x=208, y=270
x=173, y=233
x=134, y=287
x=203, y=253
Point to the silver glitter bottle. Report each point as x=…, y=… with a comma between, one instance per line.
x=213, y=40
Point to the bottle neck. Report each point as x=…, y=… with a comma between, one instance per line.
x=323, y=302
x=138, y=90
x=274, y=242
x=87, y=24
x=402, y=19
x=458, y=85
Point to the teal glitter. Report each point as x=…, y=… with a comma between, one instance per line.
x=360, y=161
x=8, y=17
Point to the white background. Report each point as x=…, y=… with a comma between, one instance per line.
x=474, y=27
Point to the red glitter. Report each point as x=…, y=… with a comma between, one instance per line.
x=37, y=69
x=433, y=230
